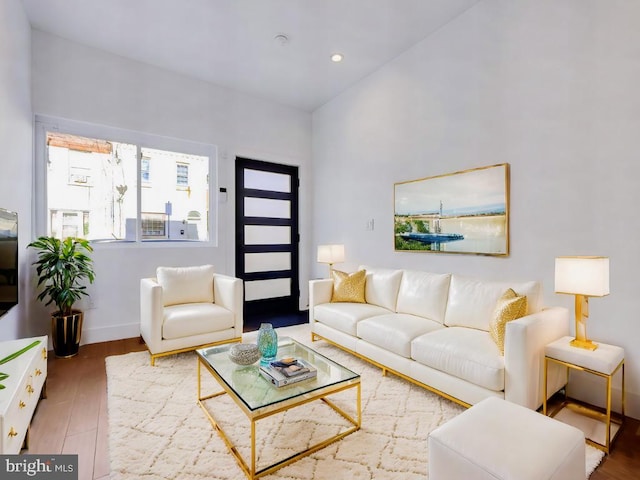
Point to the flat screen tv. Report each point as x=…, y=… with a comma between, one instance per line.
x=8, y=260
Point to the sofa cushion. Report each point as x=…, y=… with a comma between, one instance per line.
x=186, y=284
x=466, y=353
x=395, y=331
x=471, y=301
x=348, y=287
x=382, y=287
x=345, y=316
x=195, y=319
x=510, y=306
x=423, y=294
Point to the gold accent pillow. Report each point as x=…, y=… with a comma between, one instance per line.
x=509, y=307
x=348, y=287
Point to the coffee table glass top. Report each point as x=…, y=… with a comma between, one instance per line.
x=257, y=393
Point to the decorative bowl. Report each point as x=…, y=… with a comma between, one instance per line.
x=244, y=353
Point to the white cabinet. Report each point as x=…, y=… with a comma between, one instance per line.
x=18, y=400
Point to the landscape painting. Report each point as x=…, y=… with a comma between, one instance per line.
x=461, y=212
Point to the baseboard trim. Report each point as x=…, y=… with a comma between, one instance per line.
x=109, y=334
x=592, y=390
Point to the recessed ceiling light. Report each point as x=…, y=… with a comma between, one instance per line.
x=337, y=57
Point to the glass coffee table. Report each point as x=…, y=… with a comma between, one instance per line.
x=259, y=399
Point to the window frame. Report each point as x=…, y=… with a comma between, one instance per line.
x=44, y=124
x=180, y=184
x=145, y=181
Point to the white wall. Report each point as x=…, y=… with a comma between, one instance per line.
x=16, y=140
x=549, y=86
x=84, y=84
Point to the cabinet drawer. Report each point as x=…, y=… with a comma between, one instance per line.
x=27, y=375
x=16, y=422
x=18, y=415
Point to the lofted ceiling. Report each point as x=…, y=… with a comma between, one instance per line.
x=232, y=43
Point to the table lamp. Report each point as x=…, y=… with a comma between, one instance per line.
x=330, y=254
x=583, y=277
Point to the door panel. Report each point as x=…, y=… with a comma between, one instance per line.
x=267, y=289
x=262, y=262
x=267, y=236
x=260, y=180
x=267, y=208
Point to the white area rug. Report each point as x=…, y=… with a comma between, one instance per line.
x=158, y=432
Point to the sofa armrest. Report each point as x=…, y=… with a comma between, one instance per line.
x=227, y=292
x=525, y=339
x=320, y=292
x=151, y=315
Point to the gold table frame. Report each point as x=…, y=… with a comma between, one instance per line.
x=608, y=417
x=254, y=416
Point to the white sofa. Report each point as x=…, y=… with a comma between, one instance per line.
x=433, y=329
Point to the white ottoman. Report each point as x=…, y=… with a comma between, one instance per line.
x=496, y=439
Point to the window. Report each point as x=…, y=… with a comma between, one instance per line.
x=79, y=173
x=182, y=175
x=93, y=187
x=68, y=223
x=163, y=198
x=145, y=171
x=92, y=175
x=154, y=225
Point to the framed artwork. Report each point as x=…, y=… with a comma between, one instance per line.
x=460, y=212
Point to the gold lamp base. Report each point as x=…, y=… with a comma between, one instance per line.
x=582, y=313
x=588, y=344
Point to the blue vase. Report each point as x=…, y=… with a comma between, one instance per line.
x=267, y=343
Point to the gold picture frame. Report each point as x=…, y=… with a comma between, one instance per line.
x=461, y=212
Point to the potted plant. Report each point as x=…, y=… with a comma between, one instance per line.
x=63, y=266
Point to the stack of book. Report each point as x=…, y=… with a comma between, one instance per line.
x=287, y=371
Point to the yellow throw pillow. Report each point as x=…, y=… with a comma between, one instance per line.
x=509, y=307
x=348, y=287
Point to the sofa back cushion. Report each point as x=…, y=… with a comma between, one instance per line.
x=381, y=287
x=186, y=284
x=472, y=301
x=423, y=294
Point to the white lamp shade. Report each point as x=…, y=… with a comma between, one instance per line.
x=587, y=276
x=330, y=253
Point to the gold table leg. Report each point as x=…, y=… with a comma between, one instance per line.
x=606, y=418
x=251, y=471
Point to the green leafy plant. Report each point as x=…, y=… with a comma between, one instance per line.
x=62, y=267
x=8, y=358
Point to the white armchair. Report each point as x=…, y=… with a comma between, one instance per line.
x=185, y=308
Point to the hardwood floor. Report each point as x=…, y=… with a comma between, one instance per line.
x=73, y=417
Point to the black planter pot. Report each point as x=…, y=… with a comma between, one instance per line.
x=66, y=331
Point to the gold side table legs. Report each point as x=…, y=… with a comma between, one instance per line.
x=609, y=418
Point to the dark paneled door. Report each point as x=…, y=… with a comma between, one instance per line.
x=267, y=236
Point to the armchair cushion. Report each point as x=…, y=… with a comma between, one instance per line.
x=195, y=319
x=186, y=284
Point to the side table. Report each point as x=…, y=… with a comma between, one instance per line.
x=604, y=362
